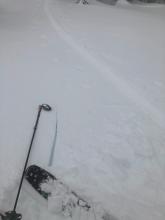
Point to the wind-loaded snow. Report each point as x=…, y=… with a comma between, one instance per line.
x=101, y=68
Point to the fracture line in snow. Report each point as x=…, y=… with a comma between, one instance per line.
x=123, y=86
x=51, y=158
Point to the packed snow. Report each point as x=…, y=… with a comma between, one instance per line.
x=101, y=68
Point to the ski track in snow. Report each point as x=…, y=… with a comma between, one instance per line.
x=123, y=86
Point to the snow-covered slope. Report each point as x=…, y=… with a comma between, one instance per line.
x=102, y=69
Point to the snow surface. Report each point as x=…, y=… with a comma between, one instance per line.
x=101, y=68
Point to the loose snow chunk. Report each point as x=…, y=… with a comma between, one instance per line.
x=47, y=186
x=61, y=201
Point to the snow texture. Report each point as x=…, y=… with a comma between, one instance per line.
x=101, y=68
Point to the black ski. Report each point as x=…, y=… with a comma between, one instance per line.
x=37, y=176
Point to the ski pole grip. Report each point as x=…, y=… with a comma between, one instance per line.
x=46, y=107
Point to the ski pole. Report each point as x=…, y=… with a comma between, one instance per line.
x=12, y=215
x=44, y=107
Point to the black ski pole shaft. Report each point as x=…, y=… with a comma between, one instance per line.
x=41, y=107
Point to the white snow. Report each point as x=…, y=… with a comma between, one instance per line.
x=101, y=68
